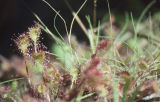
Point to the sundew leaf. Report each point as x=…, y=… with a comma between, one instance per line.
x=44, y=27
x=41, y=88
x=23, y=43
x=34, y=33
x=143, y=65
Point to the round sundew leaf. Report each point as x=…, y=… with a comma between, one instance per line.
x=50, y=71
x=41, y=88
x=57, y=77
x=23, y=43
x=143, y=65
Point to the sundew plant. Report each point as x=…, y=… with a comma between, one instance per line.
x=120, y=65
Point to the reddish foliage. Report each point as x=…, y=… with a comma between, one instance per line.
x=93, y=65
x=123, y=73
x=102, y=45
